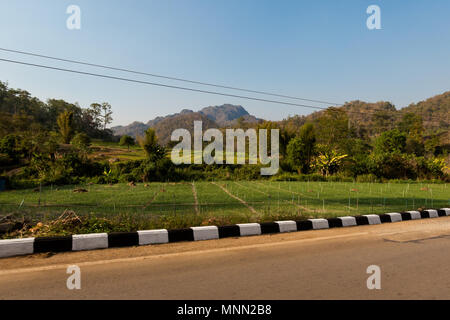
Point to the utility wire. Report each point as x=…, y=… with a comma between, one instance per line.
x=167, y=77
x=160, y=84
x=188, y=89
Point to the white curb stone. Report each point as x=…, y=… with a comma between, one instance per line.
x=89, y=241
x=415, y=215
x=395, y=217
x=205, y=233
x=373, y=218
x=348, y=221
x=319, y=223
x=447, y=211
x=16, y=247
x=433, y=213
x=287, y=226
x=153, y=237
x=249, y=229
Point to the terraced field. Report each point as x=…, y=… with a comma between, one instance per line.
x=241, y=201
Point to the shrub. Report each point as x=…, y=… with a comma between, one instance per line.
x=367, y=178
x=81, y=141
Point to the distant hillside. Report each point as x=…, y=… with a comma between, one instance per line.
x=227, y=114
x=165, y=127
x=134, y=129
x=434, y=111
x=368, y=118
x=213, y=117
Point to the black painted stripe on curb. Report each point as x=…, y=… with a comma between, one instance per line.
x=229, y=231
x=442, y=213
x=304, y=225
x=269, y=227
x=361, y=220
x=385, y=218
x=123, y=239
x=406, y=216
x=334, y=223
x=424, y=215
x=52, y=244
x=178, y=235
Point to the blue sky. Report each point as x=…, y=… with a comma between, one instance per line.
x=313, y=49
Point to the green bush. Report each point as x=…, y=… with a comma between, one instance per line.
x=367, y=178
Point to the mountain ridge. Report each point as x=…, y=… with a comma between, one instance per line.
x=225, y=115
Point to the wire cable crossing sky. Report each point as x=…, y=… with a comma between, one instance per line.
x=177, y=87
x=165, y=77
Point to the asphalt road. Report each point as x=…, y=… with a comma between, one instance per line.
x=414, y=257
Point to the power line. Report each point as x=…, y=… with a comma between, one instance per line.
x=160, y=84
x=167, y=77
x=186, y=88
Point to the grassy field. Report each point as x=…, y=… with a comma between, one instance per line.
x=112, y=150
x=229, y=201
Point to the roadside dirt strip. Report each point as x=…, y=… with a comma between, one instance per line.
x=235, y=197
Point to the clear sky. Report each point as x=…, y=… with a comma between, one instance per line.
x=313, y=49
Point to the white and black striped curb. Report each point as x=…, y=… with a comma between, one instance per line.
x=16, y=247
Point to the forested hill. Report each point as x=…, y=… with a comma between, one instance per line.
x=435, y=112
x=370, y=119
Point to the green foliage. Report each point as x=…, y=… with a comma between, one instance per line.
x=300, y=150
x=81, y=141
x=411, y=125
x=392, y=165
x=101, y=114
x=126, y=141
x=65, y=125
x=392, y=141
x=367, y=178
x=328, y=161
x=332, y=128
x=8, y=145
x=149, y=142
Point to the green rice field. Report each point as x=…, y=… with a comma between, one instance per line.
x=238, y=201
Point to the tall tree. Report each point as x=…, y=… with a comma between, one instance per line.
x=65, y=125
x=126, y=141
x=332, y=128
x=106, y=114
x=149, y=142
x=94, y=112
x=300, y=150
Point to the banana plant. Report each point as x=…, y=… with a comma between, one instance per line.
x=329, y=162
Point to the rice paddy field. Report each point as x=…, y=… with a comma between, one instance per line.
x=233, y=201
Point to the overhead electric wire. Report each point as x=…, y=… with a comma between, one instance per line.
x=186, y=88
x=160, y=84
x=166, y=77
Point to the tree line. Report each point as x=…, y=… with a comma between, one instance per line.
x=49, y=142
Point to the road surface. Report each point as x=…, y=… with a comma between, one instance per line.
x=414, y=257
